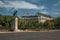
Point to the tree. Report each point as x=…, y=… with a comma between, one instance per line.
x=57, y=22
x=21, y=25
x=49, y=24
x=5, y=21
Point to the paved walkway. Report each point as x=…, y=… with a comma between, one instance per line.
x=31, y=36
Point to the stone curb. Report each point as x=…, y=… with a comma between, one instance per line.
x=32, y=31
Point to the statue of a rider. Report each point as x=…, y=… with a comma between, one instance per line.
x=15, y=13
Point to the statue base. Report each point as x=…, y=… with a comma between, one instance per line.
x=14, y=24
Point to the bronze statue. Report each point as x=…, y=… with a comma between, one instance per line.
x=15, y=13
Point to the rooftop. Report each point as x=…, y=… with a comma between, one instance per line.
x=36, y=15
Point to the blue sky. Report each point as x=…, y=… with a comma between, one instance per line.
x=48, y=7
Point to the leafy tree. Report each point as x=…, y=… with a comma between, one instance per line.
x=49, y=24
x=57, y=22
x=21, y=24
x=5, y=21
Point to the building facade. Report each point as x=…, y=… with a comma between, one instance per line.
x=37, y=17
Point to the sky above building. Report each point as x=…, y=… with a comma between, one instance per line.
x=48, y=7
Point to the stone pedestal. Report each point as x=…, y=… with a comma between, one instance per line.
x=14, y=24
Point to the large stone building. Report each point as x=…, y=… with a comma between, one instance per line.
x=37, y=17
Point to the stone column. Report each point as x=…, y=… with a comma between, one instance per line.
x=14, y=24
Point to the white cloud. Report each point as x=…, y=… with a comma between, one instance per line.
x=56, y=13
x=44, y=12
x=35, y=1
x=21, y=4
x=57, y=3
x=42, y=7
x=1, y=3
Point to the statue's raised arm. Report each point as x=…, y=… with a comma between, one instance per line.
x=15, y=13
